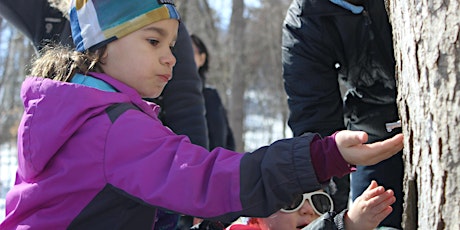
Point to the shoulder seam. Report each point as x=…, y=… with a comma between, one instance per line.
x=116, y=110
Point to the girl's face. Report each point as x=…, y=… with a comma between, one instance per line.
x=143, y=59
x=294, y=220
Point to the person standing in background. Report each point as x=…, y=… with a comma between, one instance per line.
x=326, y=43
x=219, y=132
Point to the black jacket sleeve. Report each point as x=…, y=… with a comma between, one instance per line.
x=13, y=11
x=310, y=76
x=273, y=176
x=38, y=21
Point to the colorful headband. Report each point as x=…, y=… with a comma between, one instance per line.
x=95, y=23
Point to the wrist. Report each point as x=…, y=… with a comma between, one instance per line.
x=327, y=159
x=349, y=224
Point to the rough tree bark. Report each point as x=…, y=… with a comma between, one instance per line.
x=427, y=50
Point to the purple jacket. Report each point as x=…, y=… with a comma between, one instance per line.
x=93, y=159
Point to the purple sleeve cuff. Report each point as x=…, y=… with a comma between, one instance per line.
x=327, y=160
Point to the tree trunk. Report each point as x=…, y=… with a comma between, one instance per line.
x=238, y=86
x=427, y=51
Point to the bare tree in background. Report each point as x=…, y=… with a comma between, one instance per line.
x=427, y=50
x=248, y=53
x=263, y=54
x=15, y=55
x=237, y=58
x=200, y=18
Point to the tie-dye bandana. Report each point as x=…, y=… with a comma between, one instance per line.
x=97, y=22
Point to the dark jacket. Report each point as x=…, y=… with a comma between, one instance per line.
x=182, y=100
x=219, y=131
x=38, y=21
x=323, y=44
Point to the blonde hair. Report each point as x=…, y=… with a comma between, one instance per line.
x=61, y=63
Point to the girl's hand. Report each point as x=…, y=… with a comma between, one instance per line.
x=354, y=151
x=369, y=209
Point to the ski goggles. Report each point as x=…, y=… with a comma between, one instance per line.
x=320, y=201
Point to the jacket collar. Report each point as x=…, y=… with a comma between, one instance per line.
x=147, y=107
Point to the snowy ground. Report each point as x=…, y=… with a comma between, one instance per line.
x=2, y=209
x=8, y=164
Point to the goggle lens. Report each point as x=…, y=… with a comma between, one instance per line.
x=321, y=202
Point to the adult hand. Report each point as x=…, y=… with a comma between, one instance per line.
x=369, y=209
x=354, y=151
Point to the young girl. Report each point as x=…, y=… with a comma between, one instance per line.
x=94, y=155
x=314, y=210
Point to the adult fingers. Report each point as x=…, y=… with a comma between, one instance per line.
x=369, y=154
x=382, y=150
x=348, y=138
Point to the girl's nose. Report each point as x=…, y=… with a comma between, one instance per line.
x=306, y=209
x=169, y=59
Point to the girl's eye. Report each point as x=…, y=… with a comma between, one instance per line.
x=172, y=45
x=153, y=42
